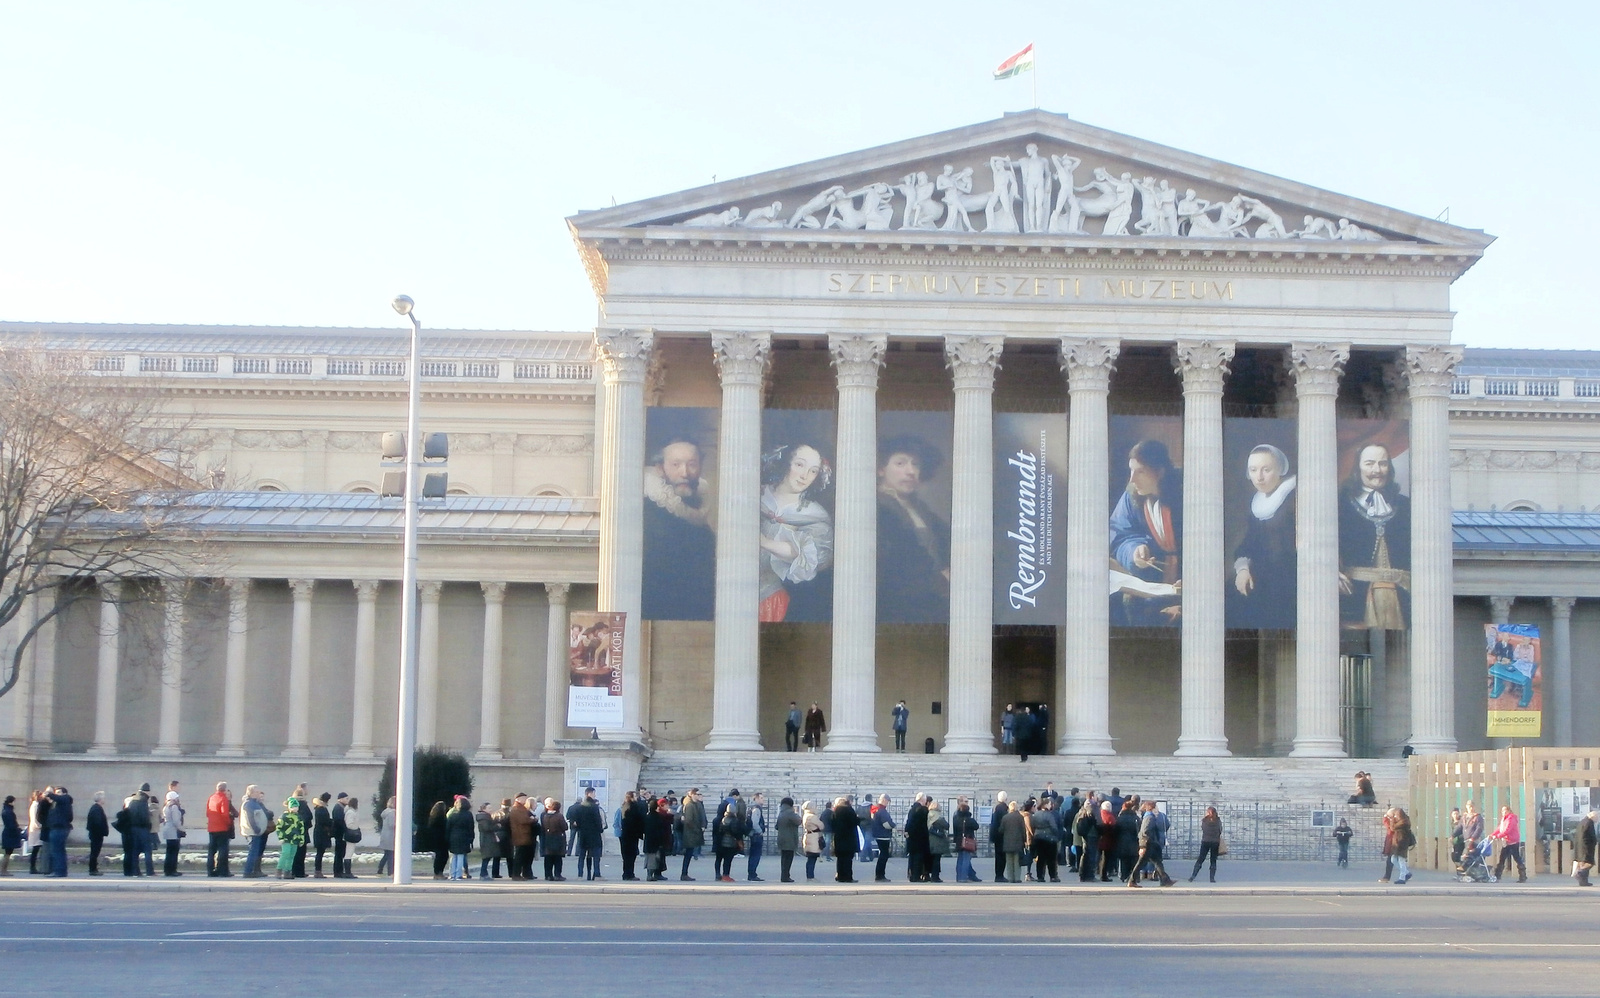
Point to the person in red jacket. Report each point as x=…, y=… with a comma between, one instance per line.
x=219, y=827
x=1510, y=835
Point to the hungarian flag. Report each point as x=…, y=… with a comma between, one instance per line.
x=1021, y=62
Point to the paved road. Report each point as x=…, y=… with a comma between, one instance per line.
x=300, y=941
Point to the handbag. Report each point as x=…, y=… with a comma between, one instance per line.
x=1222, y=847
x=969, y=843
x=352, y=835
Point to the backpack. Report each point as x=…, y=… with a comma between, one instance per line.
x=119, y=823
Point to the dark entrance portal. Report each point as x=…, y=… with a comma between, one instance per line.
x=1025, y=676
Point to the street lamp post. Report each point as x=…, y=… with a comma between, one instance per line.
x=406, y=742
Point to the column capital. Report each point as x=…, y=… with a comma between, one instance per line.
x=302, y=588
x=238, y=586
x=430, y=590
x=1203, y=365
x=493, y=592
x=1088, y=363
x=624, y=353
x=1500, y=607
x=366, y=589
x=556, y=592
x=1561, y=607
x=972, y=360
x=1431, y=370
x=741, y=357
x=857, y=357
x=110, y=586
x=1317, y=367
x=174, y=588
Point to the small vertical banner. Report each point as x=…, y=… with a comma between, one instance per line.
x=1516, y=700
x=595, y=640
x=1030, y=458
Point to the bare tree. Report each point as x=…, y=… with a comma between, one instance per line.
x=96, y=482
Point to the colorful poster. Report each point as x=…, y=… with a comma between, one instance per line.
x=595, y=640
x=680, y=514
x=797, y=537
x=914, y=517
x=1259, y=481
x=1146, y=525
x=1516, y=699
x=1030, y=518
x=1374, y=524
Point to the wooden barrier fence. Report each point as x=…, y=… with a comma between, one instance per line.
x=1511, y=777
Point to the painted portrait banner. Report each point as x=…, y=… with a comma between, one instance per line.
x=1030, y=518
x=1259, y=496
x=680, y=513
x=914, y=517
x=1516, y=695
x=1146, y=527
x=1374, y=524
x=595, y=640
x=797, y=538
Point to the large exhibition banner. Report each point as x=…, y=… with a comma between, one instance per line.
x=1259, y=503
x=595, y=640
x=797, y=537
x=1516, y=695
x=1146, y=527
x=680, y=513
x=1374, y=524
x=914, y=517
x=1030, y=518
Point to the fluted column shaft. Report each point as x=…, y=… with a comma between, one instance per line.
x=33, y=696
x=366, y=668
x=428, y=662
x=1430, y=372
x=106, y=667
x=1317, y=368
x=1204, y=366
x=624, y=357
x=235, y=679
x=169, y=724
x=494, y=602
x=972, y=361
x=299, y=741
x=21, y=695
x=1561, y=667
x=856, y=359
x=736, y=663
x=556, y=678
x=1086, y=683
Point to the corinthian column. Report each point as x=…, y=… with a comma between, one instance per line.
x=1317, y=367
x=555, y=666
x=1203, y=365
x=624, y=356
x=428, y=662
x=494, y=602
x=856, y=358
x=1561, y=667
x=1086, y=680
x=972, y=361
x=168, y=731
x=366, y=668
x=1429, y=374
x=236, y=670
x=299, y=744
x=736, y=664
x=107, y=661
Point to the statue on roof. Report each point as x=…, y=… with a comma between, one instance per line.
x=1035, y=171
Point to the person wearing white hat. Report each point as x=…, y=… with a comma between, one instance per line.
x=172, y=831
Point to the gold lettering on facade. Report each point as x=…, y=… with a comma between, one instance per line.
x=1057, y=287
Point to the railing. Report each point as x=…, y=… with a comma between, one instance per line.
x=213, y=365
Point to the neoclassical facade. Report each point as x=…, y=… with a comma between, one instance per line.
x=1168, y=297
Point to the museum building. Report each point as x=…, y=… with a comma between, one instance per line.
x=1174, y=457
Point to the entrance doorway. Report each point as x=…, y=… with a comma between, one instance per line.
x=1025, y=675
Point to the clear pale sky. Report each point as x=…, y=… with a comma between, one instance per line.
x=300, y=163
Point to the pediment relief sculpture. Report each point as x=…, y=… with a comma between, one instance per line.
x=1035, y=193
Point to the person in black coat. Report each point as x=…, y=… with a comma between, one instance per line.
x=321, y=831
x=98, y=827
x=1086, y=827
x=629, y=833
x=913, y=540
x=1024, y=729
x=994, y=837
x=657, y=840
x=845, y=821
x=336, y=831
x=1127, y=841
x=917, y=840
x=438, y=842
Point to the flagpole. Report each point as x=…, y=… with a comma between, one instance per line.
x=1036, y=78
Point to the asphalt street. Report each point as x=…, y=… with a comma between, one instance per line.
x=194, y=937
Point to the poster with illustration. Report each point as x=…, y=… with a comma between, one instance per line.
x=595, y=640
x=1030, y=518
x=1260, y=476
x=680, y=514
x=797, y=536
x=1516, y=699
x=1146, y=527
x=914, y=517
x=1374, y=524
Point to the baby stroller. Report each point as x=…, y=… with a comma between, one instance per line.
x=1474, y=868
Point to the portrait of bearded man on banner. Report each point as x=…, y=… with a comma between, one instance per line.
x=680, y=543
x=1374, y=544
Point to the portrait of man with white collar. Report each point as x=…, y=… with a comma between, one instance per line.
x=680, y=507
x=1374, y=543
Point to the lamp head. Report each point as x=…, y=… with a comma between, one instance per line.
x=403, y=304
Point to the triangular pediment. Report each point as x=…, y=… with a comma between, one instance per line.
x=983, y=181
